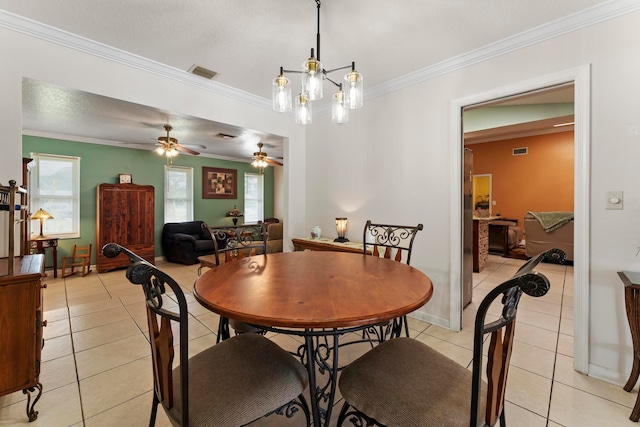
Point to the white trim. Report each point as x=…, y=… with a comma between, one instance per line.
x=577, y=21
x=72, y=41
x=456, y=209
x=582, y=202
x=588, y=17
x=581, y=76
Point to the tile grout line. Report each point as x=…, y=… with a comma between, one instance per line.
x=555, y=356
x=73, y=350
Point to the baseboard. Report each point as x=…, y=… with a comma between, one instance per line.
x=429, y=318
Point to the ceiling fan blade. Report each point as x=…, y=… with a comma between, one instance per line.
x=136, y=143
x=186, y=150
x=198, y=146
x=273, y=161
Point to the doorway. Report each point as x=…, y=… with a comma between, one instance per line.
x=580, y=78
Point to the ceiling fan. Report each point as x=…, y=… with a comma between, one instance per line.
x=169, y=147
x=261, y=160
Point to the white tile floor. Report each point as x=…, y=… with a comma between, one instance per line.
x=96, y=368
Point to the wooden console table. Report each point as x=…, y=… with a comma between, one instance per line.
x=324, y=244
x=40, y=244
x=631, y=282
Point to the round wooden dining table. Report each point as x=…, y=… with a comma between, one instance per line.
x=314, y=294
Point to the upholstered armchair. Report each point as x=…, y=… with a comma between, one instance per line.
x=274, y=237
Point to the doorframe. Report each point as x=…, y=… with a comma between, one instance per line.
x=581, y=78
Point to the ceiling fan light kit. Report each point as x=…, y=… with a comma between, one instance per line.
x=313, y=76
x=169, y=147
x=261, y=160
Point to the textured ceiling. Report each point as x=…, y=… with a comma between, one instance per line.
x=246, y=41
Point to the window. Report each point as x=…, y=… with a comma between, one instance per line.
x=178, y=194
x=253, y=202
x=56, y=189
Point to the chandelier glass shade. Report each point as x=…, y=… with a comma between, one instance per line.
x=281, y=93
x=313, y=77
x=339, y=110
x=303, y=109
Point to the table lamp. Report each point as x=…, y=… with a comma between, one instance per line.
x=341, y=228
x=41, y=214
x=235, y=213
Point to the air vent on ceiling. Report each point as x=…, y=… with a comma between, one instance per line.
x=520, y=151
x=223, y=136
x=202, y=72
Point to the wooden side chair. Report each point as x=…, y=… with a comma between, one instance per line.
x=391, y=242
x=229, y=384
x=428, y=388
x=242, y=241
x=80, y=257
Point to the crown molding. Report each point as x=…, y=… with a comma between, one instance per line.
x=588, y=17
x=72, y=41
x=575, y=22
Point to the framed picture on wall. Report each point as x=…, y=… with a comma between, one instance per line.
x=219, y=183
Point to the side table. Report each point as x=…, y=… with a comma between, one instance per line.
x=40, y=244
x=631, y=282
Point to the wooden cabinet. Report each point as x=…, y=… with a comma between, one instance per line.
x=21, y=320
x=125, y=215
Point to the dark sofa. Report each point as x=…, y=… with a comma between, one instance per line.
x=184, y=242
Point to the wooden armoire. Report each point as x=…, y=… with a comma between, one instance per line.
x=125, y=215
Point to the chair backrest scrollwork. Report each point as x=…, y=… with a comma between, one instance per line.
x=398, y=238
x=239, y=240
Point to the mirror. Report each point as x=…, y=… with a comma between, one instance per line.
x=482, y=195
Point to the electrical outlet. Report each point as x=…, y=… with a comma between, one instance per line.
x=614, y=200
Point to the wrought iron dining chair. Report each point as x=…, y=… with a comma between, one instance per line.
x=229, y=384
x=391, y=242
x=403, y=382
x=242, y=241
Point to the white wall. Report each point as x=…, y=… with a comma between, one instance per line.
x=393, y=163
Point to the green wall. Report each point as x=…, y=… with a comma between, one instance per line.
x=102, y=164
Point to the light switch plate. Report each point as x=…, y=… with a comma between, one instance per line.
x=614, y=200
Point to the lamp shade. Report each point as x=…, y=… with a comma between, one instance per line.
x=235, y=212
x=341, y=228
x=41, y=214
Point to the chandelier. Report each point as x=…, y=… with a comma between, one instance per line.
x=313, y=75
